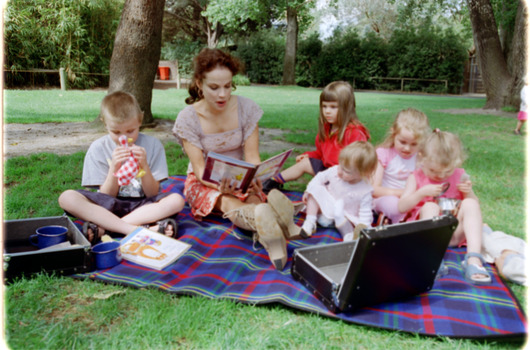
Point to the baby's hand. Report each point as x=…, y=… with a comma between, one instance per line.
x=301, y=157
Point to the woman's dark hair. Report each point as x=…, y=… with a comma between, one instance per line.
x=206, y=61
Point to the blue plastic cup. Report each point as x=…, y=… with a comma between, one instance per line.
x=47, y=236
x=107, y=254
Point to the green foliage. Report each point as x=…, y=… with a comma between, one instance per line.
x=427, y=53
x=308, y=50
x=76, y=35
x=339, y=59
x=263, y=57
x=241, y=80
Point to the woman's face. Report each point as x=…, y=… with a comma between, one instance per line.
x=217, y=87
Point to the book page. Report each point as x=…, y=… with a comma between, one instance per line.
x=272, y=166
x=222, y=170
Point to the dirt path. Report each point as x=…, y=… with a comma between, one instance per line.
x=69, y=138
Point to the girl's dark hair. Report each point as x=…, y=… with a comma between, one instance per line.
x=206, y=61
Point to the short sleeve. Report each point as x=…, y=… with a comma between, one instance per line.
x=187, y=127
x=384, y=155
x=156, y=157
x=95, y=165
x=250, y=115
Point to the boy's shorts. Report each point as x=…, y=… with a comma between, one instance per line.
x=120, y=206
x=522, y=115
x=317, y=165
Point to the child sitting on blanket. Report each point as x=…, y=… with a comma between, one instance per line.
x=439, y=175
x=342, y=194
x=122, y=202
x=397, y=160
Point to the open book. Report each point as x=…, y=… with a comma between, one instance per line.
x=151, y=249
x=219, y=167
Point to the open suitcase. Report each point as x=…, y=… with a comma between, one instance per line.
x=386, y=263
x=23, y=259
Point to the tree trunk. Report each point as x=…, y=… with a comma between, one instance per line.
x=291, y=43
x=518, y=56
x=493, y=67
x=136, y=51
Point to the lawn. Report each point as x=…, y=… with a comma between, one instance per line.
x=60, y=312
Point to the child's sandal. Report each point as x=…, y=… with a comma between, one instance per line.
x=471, y=270
x=87, y=225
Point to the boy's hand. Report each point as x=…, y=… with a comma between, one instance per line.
x=140, y=155
x=119, y=155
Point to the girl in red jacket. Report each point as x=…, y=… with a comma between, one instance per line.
x=338, y=126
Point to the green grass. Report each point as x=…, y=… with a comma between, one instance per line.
x=59, y=312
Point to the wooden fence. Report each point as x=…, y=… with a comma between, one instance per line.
x=414, y=79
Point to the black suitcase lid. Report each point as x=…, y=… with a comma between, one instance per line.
x=396, y=261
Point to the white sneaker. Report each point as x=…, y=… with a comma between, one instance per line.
x=308, y=228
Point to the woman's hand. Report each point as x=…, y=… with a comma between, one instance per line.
x=255, y=187
x=227, y=186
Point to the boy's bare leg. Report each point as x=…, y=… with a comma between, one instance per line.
x=79, y=206
x=153, y=212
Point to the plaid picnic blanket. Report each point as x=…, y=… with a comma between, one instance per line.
x=224, y=262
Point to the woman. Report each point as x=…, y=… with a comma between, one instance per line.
x=218, y=121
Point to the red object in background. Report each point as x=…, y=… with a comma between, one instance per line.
x=163, y=72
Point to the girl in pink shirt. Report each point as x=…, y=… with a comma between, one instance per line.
x=397, y=160
x=439, y=175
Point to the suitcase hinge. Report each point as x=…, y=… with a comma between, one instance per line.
x=334, y=293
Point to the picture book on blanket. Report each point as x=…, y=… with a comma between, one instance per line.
x=219, y=167
x=151, y=249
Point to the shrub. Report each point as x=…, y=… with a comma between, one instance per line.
x=427, y=53
x=76, y=35
x=241, y=80
x=262, y=55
